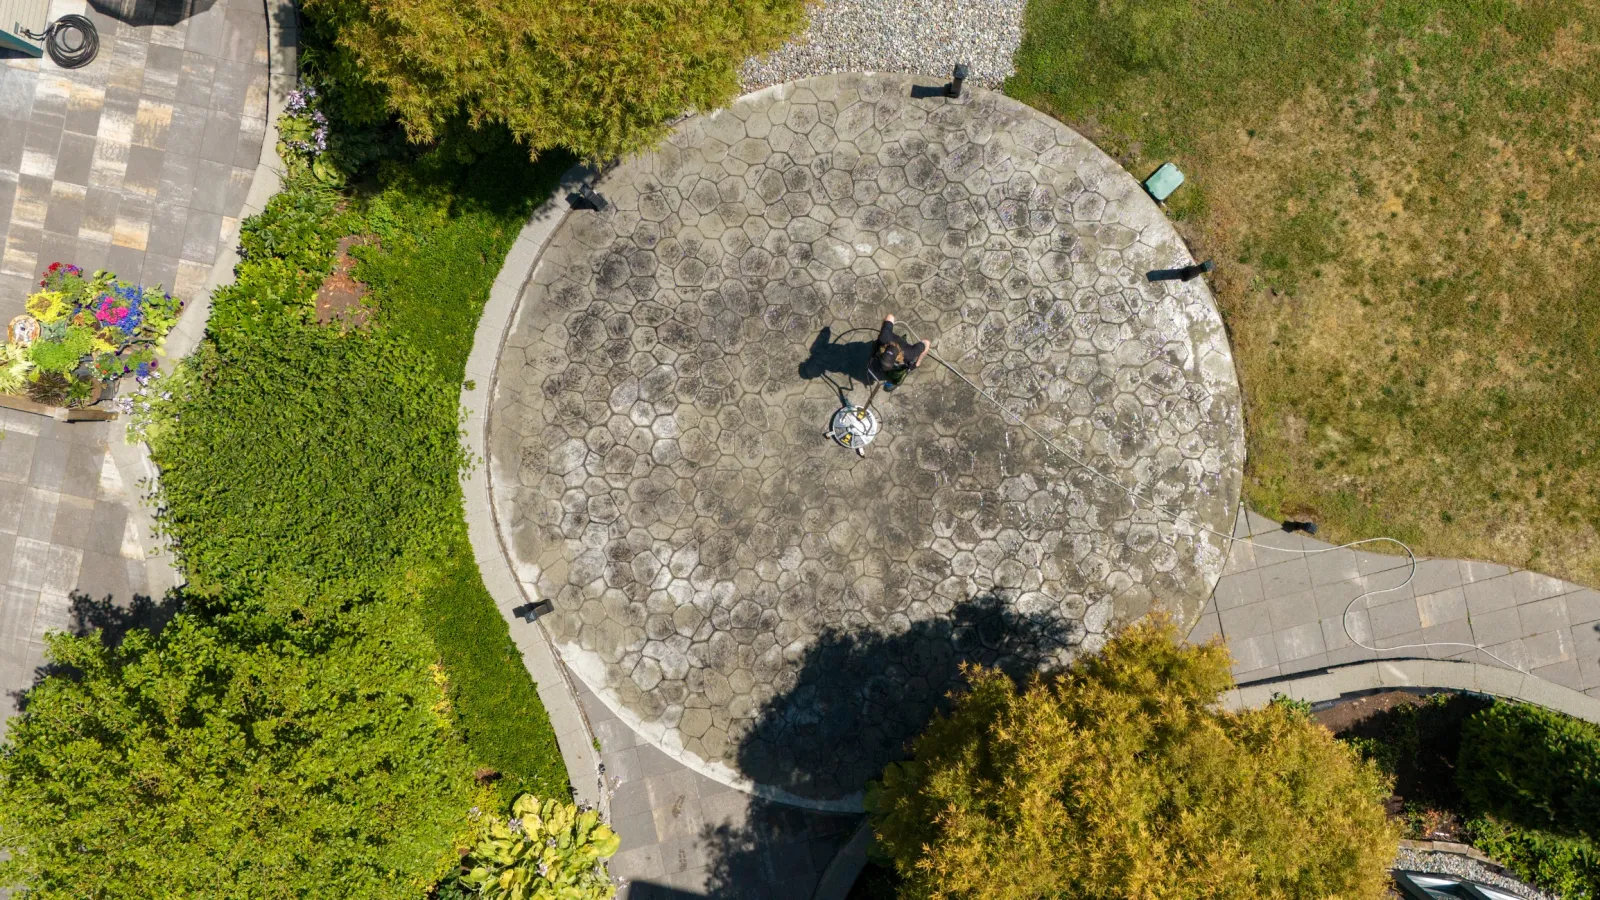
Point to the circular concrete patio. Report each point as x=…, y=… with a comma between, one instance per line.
x=769, y=608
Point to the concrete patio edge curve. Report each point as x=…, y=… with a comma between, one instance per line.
x=573, y=734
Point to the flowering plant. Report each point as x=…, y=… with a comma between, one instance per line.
x=303, y=137
x=95, y=327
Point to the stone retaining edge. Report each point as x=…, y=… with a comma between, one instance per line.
x=1454, y=849
x=573, y=733
x=1338, y=681
x=133, y=460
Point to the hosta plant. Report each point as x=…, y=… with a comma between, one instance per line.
x=551, y=851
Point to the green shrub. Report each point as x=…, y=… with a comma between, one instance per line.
x=1533, y=767
x=598, y=77
x=312, y=453
x=63, y=355
x=285, y=253
x=294, y=746
x=1568, y=867
x=1119, y=778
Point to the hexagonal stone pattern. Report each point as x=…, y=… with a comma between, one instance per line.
x=765, y=605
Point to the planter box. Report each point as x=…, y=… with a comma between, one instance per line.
x=59, y=413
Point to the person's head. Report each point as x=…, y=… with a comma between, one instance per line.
x=891, y=356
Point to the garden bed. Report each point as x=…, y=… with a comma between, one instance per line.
x=1493, y=775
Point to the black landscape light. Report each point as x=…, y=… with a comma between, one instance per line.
x=953, y=89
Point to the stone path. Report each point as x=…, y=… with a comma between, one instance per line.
x=685, y=835
x=1281, y=612
x=72, y=554
x=140, y=161
x=764, y=605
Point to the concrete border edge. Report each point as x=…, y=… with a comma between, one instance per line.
x=842, y=872
x=573, y=733
x=1339, y=681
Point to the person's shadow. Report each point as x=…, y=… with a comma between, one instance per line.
x=829, y=358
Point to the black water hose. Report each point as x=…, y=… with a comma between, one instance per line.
x=71, y=41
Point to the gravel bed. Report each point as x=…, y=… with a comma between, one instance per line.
x=919, y=37
x=1464, y=867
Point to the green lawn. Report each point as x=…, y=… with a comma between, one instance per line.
x=1402, y=201
x=443, y=230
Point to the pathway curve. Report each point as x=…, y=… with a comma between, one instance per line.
x=1281, y=611
x=143, y=162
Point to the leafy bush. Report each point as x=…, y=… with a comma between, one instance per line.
x=551, y=851
x=293, y=746
x=285, y=253
x=1568, y=867
x=316, y=454
x=1533, y=767
x=598, y=78
x=1119, y=778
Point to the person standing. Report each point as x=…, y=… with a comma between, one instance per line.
x=893, y=358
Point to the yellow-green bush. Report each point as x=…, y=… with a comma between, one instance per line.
x=598, y=77
x=1120, y=778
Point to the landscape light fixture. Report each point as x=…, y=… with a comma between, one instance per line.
x=953, y=89
x=586, y=197
x=530, y=612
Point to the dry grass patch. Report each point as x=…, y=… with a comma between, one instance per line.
x=1403, y=199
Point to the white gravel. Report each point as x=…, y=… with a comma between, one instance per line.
x=919, y=37
x=1464, y=867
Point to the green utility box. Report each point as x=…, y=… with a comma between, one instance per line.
x=1163, y=182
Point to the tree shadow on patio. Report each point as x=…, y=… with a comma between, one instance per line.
x=855, y=702
x=111, y=620
x=858, y=697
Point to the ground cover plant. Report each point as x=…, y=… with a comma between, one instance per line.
x=1401, y=200
x=1515, y=780
x=1120, y=778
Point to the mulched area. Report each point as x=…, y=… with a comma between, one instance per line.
x=1349, y=716
x=341, y=299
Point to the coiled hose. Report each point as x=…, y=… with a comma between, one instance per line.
x=72, y=41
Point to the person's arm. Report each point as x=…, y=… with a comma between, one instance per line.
x=918, y=351
x=886, y=333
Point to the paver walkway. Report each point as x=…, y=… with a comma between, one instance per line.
x=140, y=161
x=1281, y=612
x=72, y=553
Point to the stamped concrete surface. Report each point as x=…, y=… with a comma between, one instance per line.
x=685, y=835
x=140, y=161
x=762, y=604
x=1282, y=611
